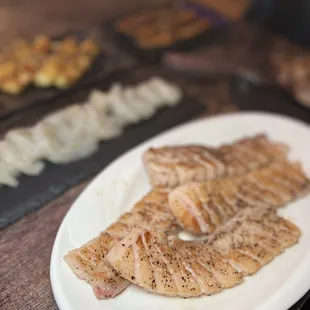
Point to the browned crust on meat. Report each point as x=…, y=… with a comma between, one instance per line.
x=190, y=268
x=176, y=165
x=89, y=261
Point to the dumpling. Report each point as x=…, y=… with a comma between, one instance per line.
x=149, y=95
x=170, y=94
x=64, y=136
x=120, y=107
x=6, y=176
x=100, y=126
x=25, y=142
x=17, y=162
x=74, y=132
x=133, y=99
x=98, y=99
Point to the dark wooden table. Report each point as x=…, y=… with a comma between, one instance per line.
x=25, y=247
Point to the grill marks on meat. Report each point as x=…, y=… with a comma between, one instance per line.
x=243, y=184
x=176, y=165
x=189, y=268
x=89, y=262
x=202, y=207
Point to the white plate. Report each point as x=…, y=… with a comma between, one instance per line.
x=276, y=286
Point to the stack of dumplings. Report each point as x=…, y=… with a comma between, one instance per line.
x=74, y=132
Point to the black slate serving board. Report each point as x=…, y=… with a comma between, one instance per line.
x=34, y=192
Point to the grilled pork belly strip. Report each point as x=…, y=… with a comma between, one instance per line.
x=176, y=165
x=89, y=262
x=190, y=268
x=201, y=207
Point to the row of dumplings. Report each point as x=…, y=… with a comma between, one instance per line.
x=74, y=132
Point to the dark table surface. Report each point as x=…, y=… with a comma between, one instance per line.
x=25, y=247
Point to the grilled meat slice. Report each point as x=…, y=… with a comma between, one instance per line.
x=176, y=165
x=89, y=262
x=191, y=268
x=201, y=207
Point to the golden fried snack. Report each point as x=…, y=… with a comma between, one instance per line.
x=46, y=75
x=42, y=44
x=7, y=68
x=11, y=86
x=89, y=47
x=69, y=62
x=68, y=46
x=45, y=63
x=20, y=63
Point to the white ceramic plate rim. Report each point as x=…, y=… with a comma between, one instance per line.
x=284, y=298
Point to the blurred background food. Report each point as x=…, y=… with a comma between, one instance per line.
x=20, y=18
x=45, y=62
